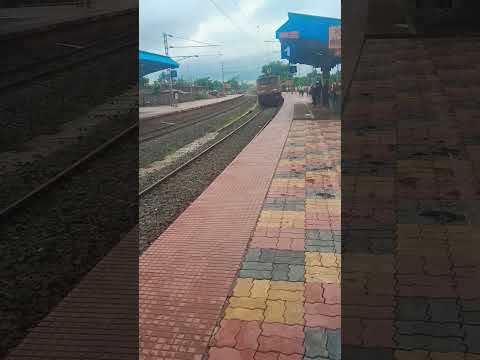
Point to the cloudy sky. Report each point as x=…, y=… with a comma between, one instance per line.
x=241, y=27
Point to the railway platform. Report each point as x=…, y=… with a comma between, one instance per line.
x=251, y=269
x=154, y=111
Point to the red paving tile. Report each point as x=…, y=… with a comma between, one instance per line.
x=187, y=273
x=92, y=321
x=297, y=299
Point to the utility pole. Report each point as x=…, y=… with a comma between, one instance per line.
x=165, y=43
x=223, y=80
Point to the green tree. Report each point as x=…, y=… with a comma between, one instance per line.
x=277, y=68
x=234, y=84
x=182, y=82
x=337, y=76
x=144, y=82
x=216, y=85
x=204, y=82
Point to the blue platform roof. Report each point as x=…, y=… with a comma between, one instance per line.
x=150, y=62
x=304, y=39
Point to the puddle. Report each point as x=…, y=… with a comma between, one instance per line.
x=171, y=158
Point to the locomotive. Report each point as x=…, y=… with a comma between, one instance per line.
x=269, y=91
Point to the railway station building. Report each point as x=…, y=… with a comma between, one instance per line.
x=150, y=63
x=311, y=40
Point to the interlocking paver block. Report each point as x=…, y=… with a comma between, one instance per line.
x=275, y=311
x=248, y=265
x=247, y=337
x=230, y=354
x=287, y=286
x=253, y=254
x=227, y=332
x=448, y=356
x=322, y=274
x=243, y=314
x=316, y=343
x=283, y=345
x=294, y=312
x=331, y=293
x=260, y=288
x=247, y=302
x=286, y=295
x=256, y=274
x=296, y=287
x=411, y=355
x=334, y=344
x=282, y=330
x=242, y=287
x=296, y=273
x=280, y=272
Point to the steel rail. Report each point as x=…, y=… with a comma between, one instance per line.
x=208, y=149
x=171, y=128
x=67, y=171
x=58, y=67
x=77, y=50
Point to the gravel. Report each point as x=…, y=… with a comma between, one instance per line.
x=162, y=147
x=158, y=148
x=44, y=158
x=50, y=243
x=160, y=207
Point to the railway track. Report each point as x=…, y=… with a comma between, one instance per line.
x=250, y=116
x=169, y=127
x=168, y=193
x=49, y=77
x=28, y=73
x=68, y=171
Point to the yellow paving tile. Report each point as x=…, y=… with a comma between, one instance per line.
x=285, y=295
x=275, y=310
x=242, y=287
x=313, y=259
x=243, y=314
x=410, y=355
x=287, y=285
x=322, y=274
x=330, y=260
x=294, y=313
x=280, y=182
x=448, y=356
x=247, y=302
x=260, y=288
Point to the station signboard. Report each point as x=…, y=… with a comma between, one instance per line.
x=290, y=35
x=335, y=37
x=227, y=86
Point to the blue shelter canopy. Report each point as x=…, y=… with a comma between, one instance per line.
x=305, y=39
x=150, y=62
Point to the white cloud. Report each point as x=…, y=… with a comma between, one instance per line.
x=200, y=20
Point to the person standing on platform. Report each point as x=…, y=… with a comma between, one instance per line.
x=313, y=94
x=324, y=93
x=319, y=92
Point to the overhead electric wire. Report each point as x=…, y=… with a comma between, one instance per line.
x=186, y=39
x=190, y=46
x=227, y=16
x=241, y=10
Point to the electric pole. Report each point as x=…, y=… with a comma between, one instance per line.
x=223, y=80
x=165, y=42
